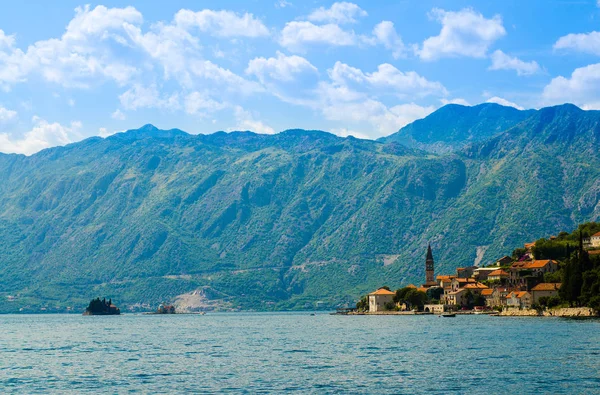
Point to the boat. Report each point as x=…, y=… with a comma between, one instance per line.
x=449, y=315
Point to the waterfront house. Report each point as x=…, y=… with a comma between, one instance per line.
x=488, y=295
x=519, y=299
x=379, y=298
x=544, y=289
x=434, y=308
x=499, y=296
x=498, y=275
x=457, y=298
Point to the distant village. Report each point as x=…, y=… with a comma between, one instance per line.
x=511, y=283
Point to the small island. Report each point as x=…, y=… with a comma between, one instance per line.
x=165, y=309
x=101, y=307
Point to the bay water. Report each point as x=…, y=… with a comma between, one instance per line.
x=298, y=352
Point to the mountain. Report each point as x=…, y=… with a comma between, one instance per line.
x=282, y=221
x=453, y=126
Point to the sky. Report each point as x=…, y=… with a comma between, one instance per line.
x=73, y=70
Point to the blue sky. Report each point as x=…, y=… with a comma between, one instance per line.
x=362, y=68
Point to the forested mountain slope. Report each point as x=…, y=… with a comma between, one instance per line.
x=285, y=220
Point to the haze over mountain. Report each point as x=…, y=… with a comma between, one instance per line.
x=286, y=220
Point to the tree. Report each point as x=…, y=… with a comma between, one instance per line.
x=478, y=300
x=416, y=299
x=435, y=293
x=363, y=304
x=518, y=253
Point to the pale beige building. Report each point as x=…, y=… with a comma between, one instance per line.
x=595, y=240
x=544, y=289
x=379, y=298
x=519, y=299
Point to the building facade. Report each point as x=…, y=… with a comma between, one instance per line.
x=379, y=298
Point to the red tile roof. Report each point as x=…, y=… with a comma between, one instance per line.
x=498, y=273
x=475, y=286
x=547, y=287
x=382, y=291
x=596, y=234
x=487, y=292
x=537, y=264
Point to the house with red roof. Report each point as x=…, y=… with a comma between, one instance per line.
x=519, y=299
x=379, y=298
x=544, y=289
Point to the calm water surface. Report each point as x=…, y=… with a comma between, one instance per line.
x=276, y=353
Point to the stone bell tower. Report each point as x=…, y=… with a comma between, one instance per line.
x=429, y=277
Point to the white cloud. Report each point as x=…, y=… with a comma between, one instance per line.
x=503, y=102
x=99, y=22
x=222, y=23
x=464, y=33
x=502, y=61
x=385, y=33
x=283, y=4
x=342, y=12
x=383, y=120
x=295, y=35
x=223, y=79
x=198, y=103
x=457, y=100
x=352, y=97
x=106, y=43
x=246, y=121
x=344, y=132
x=386, y=80
x=582, y=88
x=281, y=68
x=42, y=135
x=582, y=42
x=118, y=115
x=140, y=96
x=104, y=133
x=81, y=56
x=7, y=115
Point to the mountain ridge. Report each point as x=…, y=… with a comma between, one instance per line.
x=281, y=221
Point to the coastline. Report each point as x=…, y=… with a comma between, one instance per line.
x=564, y=312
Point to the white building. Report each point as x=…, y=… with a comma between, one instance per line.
x=379, y=298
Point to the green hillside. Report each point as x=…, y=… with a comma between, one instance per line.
x=283, y=221
x=454, y=126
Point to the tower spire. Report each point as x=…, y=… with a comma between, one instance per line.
x=429, y=281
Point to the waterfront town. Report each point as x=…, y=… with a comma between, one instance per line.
x=517, y=285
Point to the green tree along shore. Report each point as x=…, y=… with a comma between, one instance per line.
x=287, y=221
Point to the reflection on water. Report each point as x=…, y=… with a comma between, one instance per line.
x=249, y=353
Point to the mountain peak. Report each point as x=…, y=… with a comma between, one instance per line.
x=148, y=131
x=453, y=126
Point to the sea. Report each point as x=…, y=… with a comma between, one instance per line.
x=251, y=353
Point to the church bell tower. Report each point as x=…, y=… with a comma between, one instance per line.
x=429, y=280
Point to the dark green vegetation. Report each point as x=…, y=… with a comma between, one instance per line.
x=101, y=307
x=579, y=269
x=287, y=220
